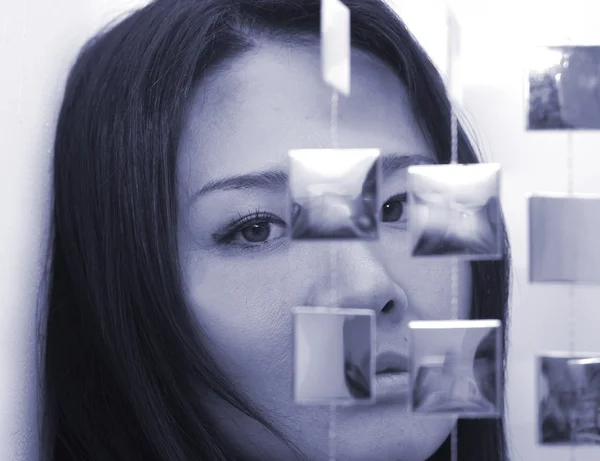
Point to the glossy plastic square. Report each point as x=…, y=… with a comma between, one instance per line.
x=456, y=368
x=454, y=77
x=568, y=398
x=454, y=210
x=335, y=45
x=334, y=351
x=333, y=194
x=563, y=239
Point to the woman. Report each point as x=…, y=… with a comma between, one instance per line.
x=172, y=283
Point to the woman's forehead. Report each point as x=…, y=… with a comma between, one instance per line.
x=247, y=116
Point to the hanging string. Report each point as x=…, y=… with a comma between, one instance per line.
x=454, y=282
x=454, y=311
x=334, y=119
x=453, y=134
x=333, y=274
x=570, y=164
x=332, y=434
x=454, y=160
x=333, y=254
x=454, y=93
x=571, y=287
x=454, y=444
x=571, y=192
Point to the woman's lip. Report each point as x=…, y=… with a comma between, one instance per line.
x=390, y=371
x=392, y=387
x=391, y=362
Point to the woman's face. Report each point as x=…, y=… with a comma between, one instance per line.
x=242, y=281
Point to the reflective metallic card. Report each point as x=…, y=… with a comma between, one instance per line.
x=456, y=367
x=454, y=210
x=563, y=239
x=564, y=88
x=335, y=45
x=454, y=75
x=333, y=194
x=334, y=356
x=568, y=398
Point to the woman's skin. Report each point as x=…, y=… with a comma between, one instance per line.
x=244, y=119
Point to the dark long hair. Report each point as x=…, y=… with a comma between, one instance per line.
x=123, y=358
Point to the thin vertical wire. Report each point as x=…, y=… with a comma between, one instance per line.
x=332, y=432
x=454, y=289
x=333, y=269
x=334, y=119
x=333, y=274
x=454, y=269
x=333, y=303
x=453, y=134
x=571, y=288
x=571, y=302
x=453, y=160
x=570, y=164
x=454, y=315
x=454, y=444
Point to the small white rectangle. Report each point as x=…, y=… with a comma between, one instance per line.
x=445, y=324
x=571, y=355
x=335, y=45
x=454, y=73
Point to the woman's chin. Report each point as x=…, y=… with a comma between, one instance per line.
x=388, y=432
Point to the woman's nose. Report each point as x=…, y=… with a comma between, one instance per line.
x=358, y=279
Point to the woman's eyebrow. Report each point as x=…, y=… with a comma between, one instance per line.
x=391, y=163
x=277, y=179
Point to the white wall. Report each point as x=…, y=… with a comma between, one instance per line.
x=38, y=41
x=494, y=44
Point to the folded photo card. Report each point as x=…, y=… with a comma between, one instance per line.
x=333, y=194
x=334, y=356
x=335, y=45
x=454, y=77
x=568, y=398
x=456, y=368
x=454, y=210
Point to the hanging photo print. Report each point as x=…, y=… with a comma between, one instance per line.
x=333, y=194
x=564, y=88
x=455, y=367
x=334, y=356
x=454, y=76
x=563, y=239
x=454, y=210
x=335, y=45
x=569, y=398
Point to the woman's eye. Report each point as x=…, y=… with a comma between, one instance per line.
x=253, y=231
x=256, y=233
x=394, y=209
